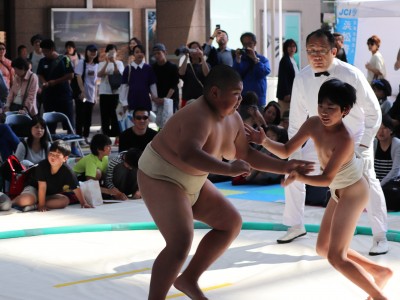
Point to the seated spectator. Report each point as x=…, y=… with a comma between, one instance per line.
x=94, y=165
x=140, y=134
x=277, y=134
x=387, y=163
x=121, y=177
x=51, y=182
x=22, y=95
x=8, y=141
x=34, y=148
x=394, y=114
x=285, y=120
x=249, y=112
x=383, y=90
x=272, y=113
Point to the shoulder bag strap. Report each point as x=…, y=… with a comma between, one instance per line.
x=195, y=76
x=26, y=90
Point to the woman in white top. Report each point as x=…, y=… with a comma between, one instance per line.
x=109, y=96
x=86, y=72
x=376, y=65
x=35, y=148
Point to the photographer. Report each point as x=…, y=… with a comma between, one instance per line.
x=108, y=96
x=192, y=73
x=221, y=55
x=253, y=68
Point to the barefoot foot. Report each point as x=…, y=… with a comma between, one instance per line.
x=190, y=289
x=382, y=277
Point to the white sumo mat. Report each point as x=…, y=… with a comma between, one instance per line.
x=116, y=265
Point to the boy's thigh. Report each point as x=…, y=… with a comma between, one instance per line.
x=167, y=203
x=215, y=209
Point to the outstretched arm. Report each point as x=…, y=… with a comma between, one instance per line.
x=281, y=150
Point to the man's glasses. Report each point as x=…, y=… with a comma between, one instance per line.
x=139, y=118
x=317, y=52
x=1, y=48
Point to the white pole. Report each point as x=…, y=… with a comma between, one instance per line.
x=272, y=58
x=265, y=29
x=280, y=30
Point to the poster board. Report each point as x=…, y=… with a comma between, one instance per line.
x=90, y=26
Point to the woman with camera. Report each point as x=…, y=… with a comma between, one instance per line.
x=108, y=95
x=193, y=73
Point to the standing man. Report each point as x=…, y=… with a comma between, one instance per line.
x=363, y=121
x=167, y=75
x=55, y=71
x=253, y=68
x=339, y=43
x=221, y=55
x=140, y=134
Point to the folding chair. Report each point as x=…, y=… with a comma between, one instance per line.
x=53, y=119
x=20, y=124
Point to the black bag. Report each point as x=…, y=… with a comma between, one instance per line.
x=391, y=190
x=115, y=80
x=76, y=91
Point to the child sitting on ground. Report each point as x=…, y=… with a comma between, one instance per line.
x=94, y=165
x=121, y=176
x=50, y=182
x=343, y=173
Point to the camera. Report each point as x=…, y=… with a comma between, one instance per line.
x=183, y=50
x=218, y=26
x=242, y=51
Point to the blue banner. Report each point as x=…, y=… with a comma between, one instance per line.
x=348, y=27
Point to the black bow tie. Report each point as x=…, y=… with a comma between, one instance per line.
x=326, y=73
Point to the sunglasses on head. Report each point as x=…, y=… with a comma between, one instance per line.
x=141, y=118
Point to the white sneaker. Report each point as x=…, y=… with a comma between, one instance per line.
x=379, y=247
x=292, y=234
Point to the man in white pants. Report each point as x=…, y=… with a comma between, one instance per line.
x=363, y=121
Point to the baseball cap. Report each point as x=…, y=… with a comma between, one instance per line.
x=91, y=47
x=159, y=47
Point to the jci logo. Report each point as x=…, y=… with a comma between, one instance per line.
x=348, y=12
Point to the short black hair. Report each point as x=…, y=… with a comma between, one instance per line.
x=47, y=44
x=20, y=63
x=111, y=47
x=36, y=37
x=383, y=85
x=61, y=147
x=322, y=33
x=250, y=35
x=339, y=92
x=142, y=49
x=98, y=142
x=19, y=49
x=140, y=109
x=221, y=76
x=132, y=156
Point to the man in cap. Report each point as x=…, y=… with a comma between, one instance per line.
x=167, y=75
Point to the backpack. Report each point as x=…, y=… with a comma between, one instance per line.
x=16, y=174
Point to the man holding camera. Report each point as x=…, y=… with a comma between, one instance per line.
x=221, y=55
x=253, y=68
